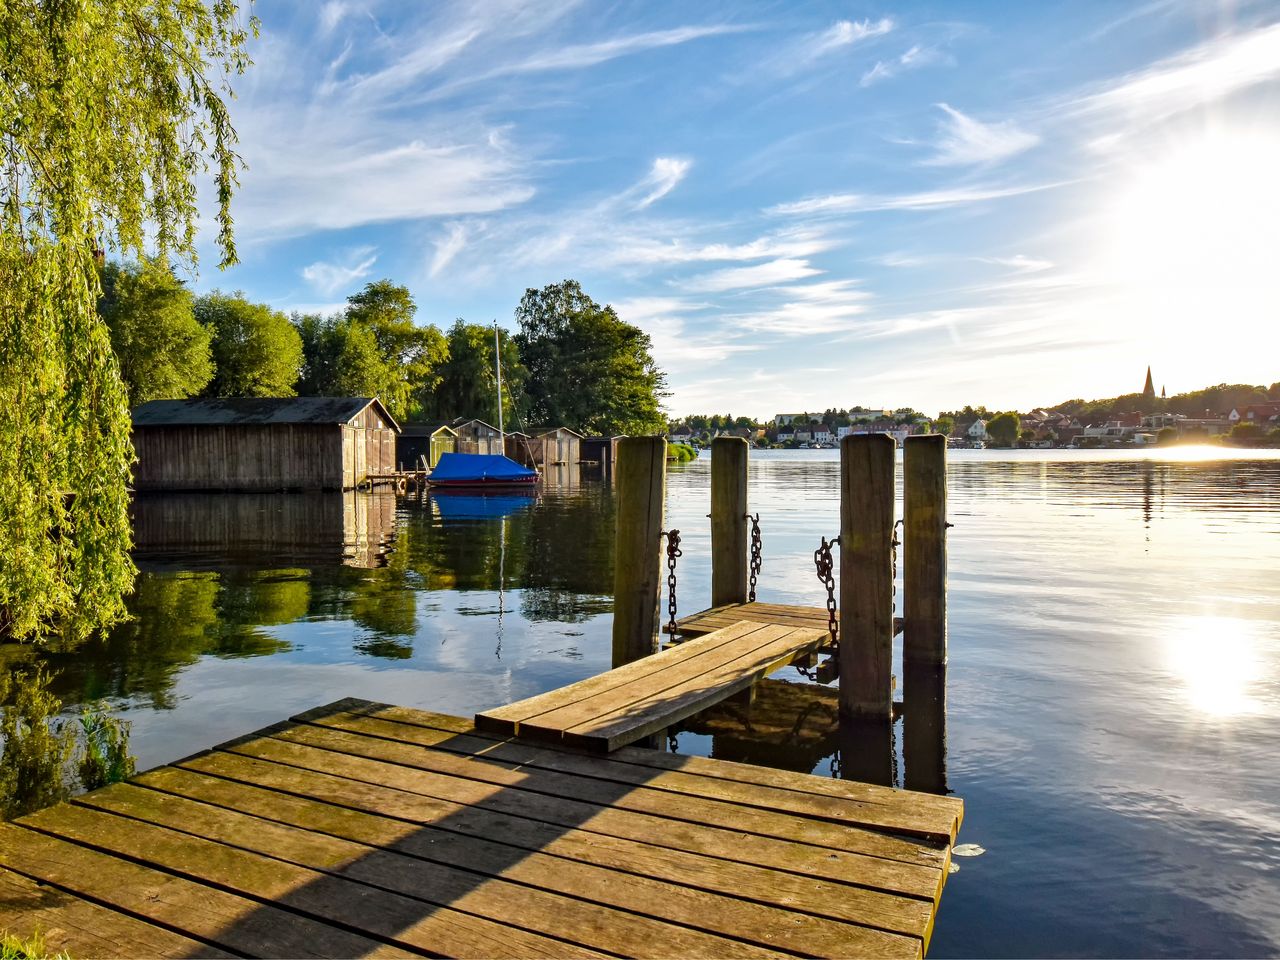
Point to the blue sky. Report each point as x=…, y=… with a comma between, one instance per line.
x=806, y=206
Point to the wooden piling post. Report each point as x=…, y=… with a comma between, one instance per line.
x=728, y=520
x=924, y=572
x=924, y=727
x=866, y=574
x=640, y=489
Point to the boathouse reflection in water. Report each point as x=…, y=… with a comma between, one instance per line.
x=355, y=528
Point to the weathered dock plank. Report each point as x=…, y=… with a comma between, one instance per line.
x=87, y=929
x=717, y=618
x=624, y=705
x=362, y=829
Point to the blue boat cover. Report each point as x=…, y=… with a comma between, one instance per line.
x=479, y=467
x=459, y=505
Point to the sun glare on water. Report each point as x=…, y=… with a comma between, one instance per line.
x=1193, y=237
x=1217, y=662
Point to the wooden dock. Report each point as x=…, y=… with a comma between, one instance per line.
x=359, y=829
x=727, y=614
x=645, y=696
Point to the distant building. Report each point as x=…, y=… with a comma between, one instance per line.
x=260, y=443
x=1149, y=392
x=978, y=430
x=1259, y=413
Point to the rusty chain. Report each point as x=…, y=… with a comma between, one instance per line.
x=893, y=548
x=826, y=574
x=757, y=555
x=673, y=554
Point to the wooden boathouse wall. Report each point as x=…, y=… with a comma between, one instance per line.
x=262, y=444
x=419, y=440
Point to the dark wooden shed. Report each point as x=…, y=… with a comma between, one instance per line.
x=295, y=443
x=601, y=453
x=429, y=440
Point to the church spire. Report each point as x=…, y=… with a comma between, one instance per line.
x=1149, y=391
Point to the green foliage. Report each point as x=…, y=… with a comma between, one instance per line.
x=1003, y=429
x=107, y=118
x=411, y=355
x=257, y=352
x=1246, y=431
x=468, y=382
x=340, y=359
x=105, y=756
x=1166, y=436
x=587, y=369
x=967, y=415
x=38, y=752
x=681, y=452
x=32, y=948
x=36, y=747
x=944, y=426
x=163, y=353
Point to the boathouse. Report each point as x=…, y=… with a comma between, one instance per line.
x=260, y=443
x=600, y=452
x=476, y=436
x=429, y=440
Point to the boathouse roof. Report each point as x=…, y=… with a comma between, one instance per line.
x=244, y=411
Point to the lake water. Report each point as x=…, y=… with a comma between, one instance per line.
x=1112, y=698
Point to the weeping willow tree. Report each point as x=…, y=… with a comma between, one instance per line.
x=110, y=110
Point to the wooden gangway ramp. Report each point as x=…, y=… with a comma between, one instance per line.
x=628, y=703
x=360, y=829
x=717, y=618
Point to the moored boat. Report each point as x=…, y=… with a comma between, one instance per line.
x=480, y=471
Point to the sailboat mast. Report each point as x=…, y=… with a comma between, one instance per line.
x=497, y=365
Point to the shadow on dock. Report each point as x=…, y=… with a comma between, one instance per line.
x=357, y=827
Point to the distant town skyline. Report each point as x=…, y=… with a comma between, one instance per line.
x=996, y=204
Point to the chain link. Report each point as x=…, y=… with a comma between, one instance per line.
x=893, y=548
x=826, y=573
x=835, y=764
x=673, y=554
x=757, y=556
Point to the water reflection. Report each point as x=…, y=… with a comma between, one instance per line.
x=1216, y=660
x=1110, y=709
x=797, y=726
x=187, y=530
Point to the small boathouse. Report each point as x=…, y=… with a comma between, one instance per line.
x=262, y=443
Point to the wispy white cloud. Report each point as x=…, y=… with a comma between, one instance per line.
x=309, y=175
x=576, y=56
x=332, y=13
x=664, y=176
x=1203, y=74
x=842, y=203
x=446, y=247
x=964, y=141
x=845, y=33
x=677, y=347
x=912, y=58
x=744, y=278
x=330, y=278
x=1020, y=262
